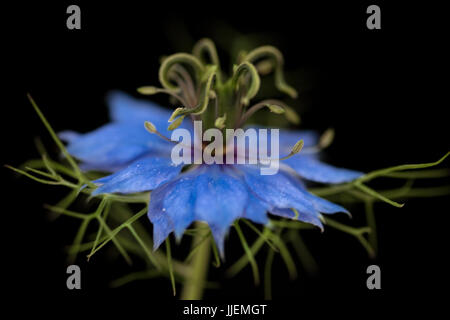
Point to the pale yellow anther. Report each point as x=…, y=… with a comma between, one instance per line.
x=175, y=124
x=326, y=139
x=297, y=147
x=150, y=127
x=147, y=90
x=275, y=108
x=175, y=114
x=220, y=122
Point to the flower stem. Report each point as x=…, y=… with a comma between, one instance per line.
x=195, y=284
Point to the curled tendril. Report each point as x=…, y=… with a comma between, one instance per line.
x=205, y=96
x=177, y=59
x=206, y=46
x=247, y=68
x=276, y=57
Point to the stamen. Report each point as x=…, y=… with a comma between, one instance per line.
x=204, y=100
x=295, y=149
x=183, y=87
x=264, y=67
x=275, y=109
x=325, y=141
x=296, y=214
x=175, y=124
x=150, y=127
x=275, y=106
x=175, y=114
x=184, y=79
x=216, y=104
x=327, y=138
x=150, y=90
x=291, y=115
x=220, y=122
x=298, y=146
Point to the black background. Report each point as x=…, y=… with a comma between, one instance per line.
x=384, y=91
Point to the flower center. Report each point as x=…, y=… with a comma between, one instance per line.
x=220, y=100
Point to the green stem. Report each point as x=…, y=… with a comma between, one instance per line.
x=371, y=222
x=195, y=284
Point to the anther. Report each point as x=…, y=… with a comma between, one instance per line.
x=176, y=123
x=327, y=138
x=298, y=146
x=150, y=127
x=150, y=90
x=220, y=122
x=325, y=141
x=275, y=106
x=295, y=149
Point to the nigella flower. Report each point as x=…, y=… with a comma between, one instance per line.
x=217, y=194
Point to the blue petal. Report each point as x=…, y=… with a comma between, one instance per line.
x=162, y=227
x=277, y=190
x=209, y=193
x=282, y=192
x=142, y=175
x=256, y=210
x=314, y=170
x=126, y=109
x=115, y=145
x=221, y=198
x=69, y=136
x=171, y=207
x=320, y=204
x=290, y=214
